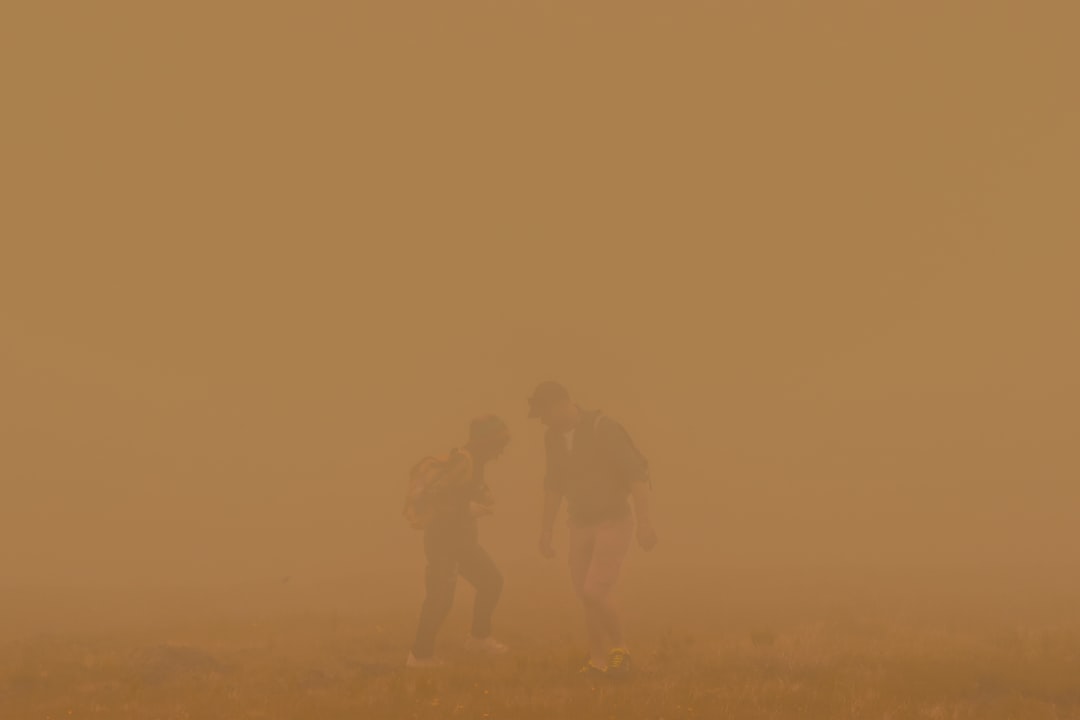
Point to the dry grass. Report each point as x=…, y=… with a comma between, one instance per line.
x=327, y=667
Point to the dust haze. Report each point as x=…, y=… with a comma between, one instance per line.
x=257, y=259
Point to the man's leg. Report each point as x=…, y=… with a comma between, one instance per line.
x=477, y=567
x=440, y=580
x=611, y=543
x=580, y=555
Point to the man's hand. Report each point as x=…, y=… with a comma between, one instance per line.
x=477, y=510
x=646, y=535
x=546, y=548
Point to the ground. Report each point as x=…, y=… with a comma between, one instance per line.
x=858, y=661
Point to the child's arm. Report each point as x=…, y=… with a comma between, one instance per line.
x=482, y=502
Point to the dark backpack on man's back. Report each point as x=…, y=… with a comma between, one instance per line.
x=594, y=425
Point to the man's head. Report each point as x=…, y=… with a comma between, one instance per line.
x=551, y=403
x=488, y=437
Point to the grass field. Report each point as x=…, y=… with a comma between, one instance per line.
x=786, y=659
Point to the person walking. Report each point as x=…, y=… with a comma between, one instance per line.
x=447, y=495
x=593, y=464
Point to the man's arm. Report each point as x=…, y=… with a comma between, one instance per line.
x=553, y=495
x=646, y=531
x=552, y=502
x=633, y=468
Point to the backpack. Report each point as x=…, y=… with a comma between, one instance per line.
x=428, y=481
x=599, y=416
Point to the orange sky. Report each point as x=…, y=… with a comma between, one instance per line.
x=258, y=258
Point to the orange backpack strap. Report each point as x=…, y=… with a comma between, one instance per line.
x=431, y=475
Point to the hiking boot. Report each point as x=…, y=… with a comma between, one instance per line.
x=619, y=665
x=485, y=646
x=423, y=663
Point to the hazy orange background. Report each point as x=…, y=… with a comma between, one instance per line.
x=257, y=258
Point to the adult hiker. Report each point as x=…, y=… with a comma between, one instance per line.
x=593, y=463
x=447, y=494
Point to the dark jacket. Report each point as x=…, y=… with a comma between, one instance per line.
x=597, y=473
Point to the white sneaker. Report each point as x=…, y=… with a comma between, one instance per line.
x=485, y=646
x=423, y=663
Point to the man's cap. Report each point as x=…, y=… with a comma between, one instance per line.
x=487, y=427
x=545, y=395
